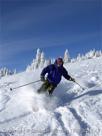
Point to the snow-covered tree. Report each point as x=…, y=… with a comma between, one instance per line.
x=28, y=69
x=36, y=66
x=53, y=61
x=9, y=72
x=32, y=66
x=42, y=57
x=79, y=57
x=5, y=72
x=66, y=57
x=38, y=56
x=42, y=60
x=90, y=54
x=98, y=53
x=73, y=60
x=1, y=73
x=36, y=63
x=46, y=63
x=50, y=61
x=14, y=72
x=83, y=57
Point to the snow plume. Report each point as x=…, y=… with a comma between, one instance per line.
x=29, y=98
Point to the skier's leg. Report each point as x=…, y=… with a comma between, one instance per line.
x=44, y=87
x=51, y=88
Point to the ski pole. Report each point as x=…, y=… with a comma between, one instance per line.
x=80, y=86
x=24, y=85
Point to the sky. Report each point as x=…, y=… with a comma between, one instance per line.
x=51, y=25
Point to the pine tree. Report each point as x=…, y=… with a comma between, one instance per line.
x=50, y=61
x=28, y=69
x=1, y=73
x=53, y=60
x=9, y=73
x=66, y=57
x=45, y=63
x=83, y=57
x=98, y=54
x=36, y=66
x=79, y=57
x=4, y=71
x=90, y=54
x=14, y=72
x=42, y=60
x=38, y=56
x=73, y=60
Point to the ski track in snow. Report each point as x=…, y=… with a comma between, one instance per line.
x=70, y=112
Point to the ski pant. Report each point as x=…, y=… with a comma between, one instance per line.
x=47, y=86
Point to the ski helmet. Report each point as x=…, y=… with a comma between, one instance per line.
x=60, y=60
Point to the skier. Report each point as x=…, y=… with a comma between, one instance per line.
x=55, y=72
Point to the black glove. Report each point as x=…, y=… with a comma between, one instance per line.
x=42, y=78
x=72, y=79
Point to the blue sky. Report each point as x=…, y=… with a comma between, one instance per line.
x=52, y=26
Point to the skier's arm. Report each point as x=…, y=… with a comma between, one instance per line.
x=68, y=77
x=65, y=74
x=45, y=70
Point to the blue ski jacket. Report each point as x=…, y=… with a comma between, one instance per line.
x=55, y=73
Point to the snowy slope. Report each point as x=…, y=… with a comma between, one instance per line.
x=71, y=111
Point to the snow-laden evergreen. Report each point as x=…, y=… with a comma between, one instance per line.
x=6, y=72
x=42, y=60
x=38, y=57
x=91, y=54
x=66, y=57
x=79, y=57
x=39, y=62
x=14, y=72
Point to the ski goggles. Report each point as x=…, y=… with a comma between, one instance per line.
x=59, y=61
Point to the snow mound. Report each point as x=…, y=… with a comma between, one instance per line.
x=71, y=111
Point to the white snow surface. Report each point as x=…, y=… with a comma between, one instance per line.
x=70, y=112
